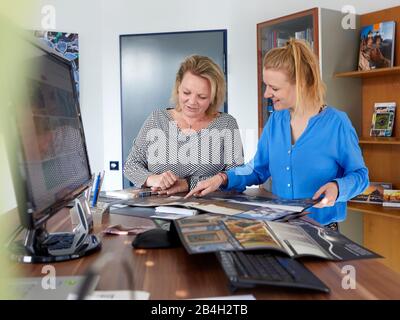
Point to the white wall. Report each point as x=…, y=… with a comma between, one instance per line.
x=100, y=23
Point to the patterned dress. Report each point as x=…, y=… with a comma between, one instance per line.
x=193, y=155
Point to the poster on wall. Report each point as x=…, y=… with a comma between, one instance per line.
x=67, y=45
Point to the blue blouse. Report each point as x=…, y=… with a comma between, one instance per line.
x=326, y=151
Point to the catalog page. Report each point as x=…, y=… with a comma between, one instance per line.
x=210, y=233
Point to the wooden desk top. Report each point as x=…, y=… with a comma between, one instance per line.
x=174, y=274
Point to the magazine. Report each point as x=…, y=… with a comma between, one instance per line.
x=383, y=119
x=238, y=205
x=267, y=208
x=377, y=46
x=373, y=194
x=391, y=198
x=210, y=233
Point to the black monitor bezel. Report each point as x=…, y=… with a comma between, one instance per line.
x=29, y=218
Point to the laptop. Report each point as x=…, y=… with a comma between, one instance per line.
x=248, y=269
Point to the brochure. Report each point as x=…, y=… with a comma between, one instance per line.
x=238, y=205
x=373, y=194
x=391, y=198
x=210, y=233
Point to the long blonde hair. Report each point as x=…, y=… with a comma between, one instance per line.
x=301, y=66
x=206, y=68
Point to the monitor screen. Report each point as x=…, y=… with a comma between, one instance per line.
x=54, y=162
x=9, y=220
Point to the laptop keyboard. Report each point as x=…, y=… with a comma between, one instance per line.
x=261, y=266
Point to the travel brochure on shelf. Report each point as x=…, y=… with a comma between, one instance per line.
x=377, y=46
x=237, y=205
x=210, y=233
x=391, y=198
x=383, y=119
x=373, y=194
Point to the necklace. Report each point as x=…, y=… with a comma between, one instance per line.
x=190, y=125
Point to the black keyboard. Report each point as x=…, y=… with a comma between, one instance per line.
x=261, y=266
x=249, y=269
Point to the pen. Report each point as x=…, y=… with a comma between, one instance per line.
x=101, y=180
x=96, y=190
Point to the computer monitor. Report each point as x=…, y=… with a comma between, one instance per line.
x=9, y=220
x=51, y=165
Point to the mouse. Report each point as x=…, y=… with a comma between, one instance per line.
x=155, y=238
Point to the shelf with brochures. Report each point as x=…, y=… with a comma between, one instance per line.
x=375, y=209
x=369, y=73
x=379, y=140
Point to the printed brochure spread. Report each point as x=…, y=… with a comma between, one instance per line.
x=210, y=233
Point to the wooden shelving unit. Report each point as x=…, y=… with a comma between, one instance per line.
x=375, y=209
x=381, y=225
x=369, y=73
x=379, y=140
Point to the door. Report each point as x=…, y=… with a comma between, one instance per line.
x=149, y=63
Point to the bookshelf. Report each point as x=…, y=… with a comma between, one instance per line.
x=381, y=225
x=314, y=25
x=379, y=140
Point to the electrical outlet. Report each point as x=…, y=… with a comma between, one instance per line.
x=114, y=165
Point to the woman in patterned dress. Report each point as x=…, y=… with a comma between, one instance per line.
x=178, y=147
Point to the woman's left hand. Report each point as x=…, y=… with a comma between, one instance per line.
x=330, y=192
x=180, y=185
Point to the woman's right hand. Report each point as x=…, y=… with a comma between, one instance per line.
x=206, y=186
x=162, y=181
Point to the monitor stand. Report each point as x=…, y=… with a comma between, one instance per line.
x=39, y=246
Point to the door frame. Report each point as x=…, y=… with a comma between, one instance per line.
x=224, y=69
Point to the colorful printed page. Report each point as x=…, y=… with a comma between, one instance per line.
x=210, y=233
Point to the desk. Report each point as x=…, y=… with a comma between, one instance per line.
x=174, y=274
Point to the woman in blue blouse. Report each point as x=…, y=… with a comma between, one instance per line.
x=309, y=149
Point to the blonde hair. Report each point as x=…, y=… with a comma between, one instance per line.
x=301, y=66
x=206, y=68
